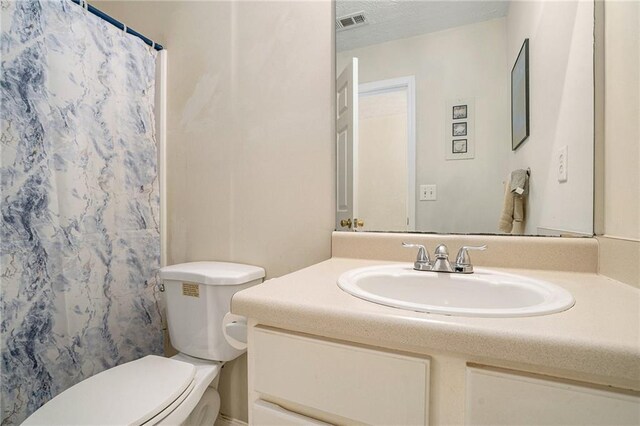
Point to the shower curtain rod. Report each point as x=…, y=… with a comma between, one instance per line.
x=116, y=23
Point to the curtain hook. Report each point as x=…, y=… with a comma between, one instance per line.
x=85, y=4
x=124, y=28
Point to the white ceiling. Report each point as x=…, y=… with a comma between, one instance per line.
x=395, y=19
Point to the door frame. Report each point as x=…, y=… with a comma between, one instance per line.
x=392, y=85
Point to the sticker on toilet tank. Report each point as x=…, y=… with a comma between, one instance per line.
x=192, y=290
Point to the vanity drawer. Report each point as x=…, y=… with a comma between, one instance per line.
x=351, y=382
x=265, y=413
x=499, y=397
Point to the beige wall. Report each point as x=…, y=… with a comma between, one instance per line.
x=620, y=245
x=249, y=135
x=561, y=111
x=622, y=119
x=463, y=62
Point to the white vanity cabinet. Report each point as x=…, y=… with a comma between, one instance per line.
x=336, y=383
x=301, y=380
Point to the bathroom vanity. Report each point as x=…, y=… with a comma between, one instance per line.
x=318, y=354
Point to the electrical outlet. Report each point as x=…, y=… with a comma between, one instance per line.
x=563, y=157
x=427, y=192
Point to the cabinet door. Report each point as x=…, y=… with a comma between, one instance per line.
x=496, y=397
x=360, y=384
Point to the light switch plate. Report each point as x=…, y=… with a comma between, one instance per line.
x=428, y=193
x=563, y=157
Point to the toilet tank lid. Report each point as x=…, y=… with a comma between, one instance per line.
x=212, y=273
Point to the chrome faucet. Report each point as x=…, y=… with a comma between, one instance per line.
x=441, y=263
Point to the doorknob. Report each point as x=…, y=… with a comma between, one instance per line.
x=357, y=223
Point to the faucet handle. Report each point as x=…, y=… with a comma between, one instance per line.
x=422, y=263
x=463, y=261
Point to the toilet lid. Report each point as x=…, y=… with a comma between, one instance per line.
x=129, y=394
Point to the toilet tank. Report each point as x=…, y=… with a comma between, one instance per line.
x=198, y=296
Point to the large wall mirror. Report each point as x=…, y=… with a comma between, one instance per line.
x=465, y=117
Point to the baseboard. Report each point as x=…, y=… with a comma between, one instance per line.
x=223, y=420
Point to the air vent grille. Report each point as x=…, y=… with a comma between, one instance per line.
x=350, y=21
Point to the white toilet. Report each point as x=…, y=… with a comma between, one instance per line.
x=167, y=391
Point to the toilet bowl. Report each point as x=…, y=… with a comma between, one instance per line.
x=168, y=391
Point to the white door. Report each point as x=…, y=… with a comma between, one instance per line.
x=347, y=146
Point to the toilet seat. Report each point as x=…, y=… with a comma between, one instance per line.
x=134, y=393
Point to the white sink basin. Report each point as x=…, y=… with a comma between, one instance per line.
x=484, y=293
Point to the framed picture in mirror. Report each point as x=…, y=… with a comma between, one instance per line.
x=459, y=129
x=459, y=146
x=459, y=112
x=520, y=97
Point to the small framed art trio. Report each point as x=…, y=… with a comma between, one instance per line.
x=459, y=130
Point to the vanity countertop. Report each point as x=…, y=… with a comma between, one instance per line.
x=597, y=340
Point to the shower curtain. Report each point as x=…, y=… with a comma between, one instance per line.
x=80, y=242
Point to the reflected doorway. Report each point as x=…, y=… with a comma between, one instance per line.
x=386, y=154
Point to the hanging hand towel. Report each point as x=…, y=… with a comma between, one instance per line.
x=506, y=218
x=520, y=182
x=513, y=209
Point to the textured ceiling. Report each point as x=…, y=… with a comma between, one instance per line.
x=395, y=19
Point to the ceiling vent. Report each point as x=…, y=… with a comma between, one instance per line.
x=352, y=20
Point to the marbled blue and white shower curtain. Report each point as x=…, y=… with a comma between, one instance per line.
x=80, y=244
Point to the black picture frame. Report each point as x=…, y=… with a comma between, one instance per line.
x=462, y=146
x=459, y=112
x=462, y=124
x=520, y=126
